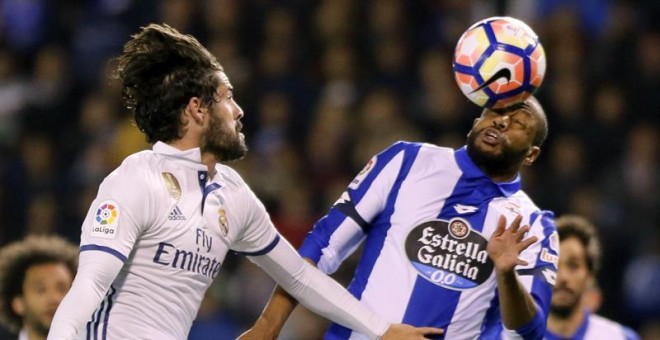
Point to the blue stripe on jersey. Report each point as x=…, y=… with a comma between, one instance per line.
x=491, y=327
x=348, y=209
x=89, y=326
x=264, y=251
x=541, y=288
x=383, y=159
x=206, y=190
x=98, y=320
x=107, y=313
x=379, y=227
x=319, y=239
x=108, y=250
x=472, y=188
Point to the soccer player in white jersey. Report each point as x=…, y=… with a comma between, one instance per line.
x=436, y=248
x=159, y=229
x=578, y=264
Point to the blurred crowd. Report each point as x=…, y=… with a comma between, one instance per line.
x=324, y=85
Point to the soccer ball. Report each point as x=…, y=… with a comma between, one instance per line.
x=499, y=62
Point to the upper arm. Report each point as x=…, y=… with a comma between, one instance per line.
x=337, y=235
x=118, y=214
x=539, y=277
x=257, y=234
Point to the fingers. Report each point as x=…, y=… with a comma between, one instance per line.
x=521, y=262
x=501, y=226
x=515, y=224
x=521, y=233
x=526, y=243
x=430, y=330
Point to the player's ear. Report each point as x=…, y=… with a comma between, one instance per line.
x=532, y=154
x=195, y=109
x=18, y=305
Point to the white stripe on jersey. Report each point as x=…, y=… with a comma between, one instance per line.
x=596, y=327
x=409, y=184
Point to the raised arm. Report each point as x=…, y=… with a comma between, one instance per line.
x=523, y=308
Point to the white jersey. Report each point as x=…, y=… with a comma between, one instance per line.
x=596, y=327
x=172, y=226
x=426, y=214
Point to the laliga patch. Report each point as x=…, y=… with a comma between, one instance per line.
x=105, y=220
x=449, y=254
x=362, y=174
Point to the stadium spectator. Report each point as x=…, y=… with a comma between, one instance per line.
x=578, y=264
x=35, y=274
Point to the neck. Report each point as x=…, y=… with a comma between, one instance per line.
x=502, y=176
x=209, y=160
x=32, y=334
x=566, y=327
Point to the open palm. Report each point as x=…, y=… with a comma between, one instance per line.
x=506, y=244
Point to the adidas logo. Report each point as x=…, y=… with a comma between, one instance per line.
x=176, y=214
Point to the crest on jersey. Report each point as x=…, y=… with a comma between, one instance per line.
x=222, y=221
x=449, y=254
x=172, y=184
x=106, y=220
x=362, y=174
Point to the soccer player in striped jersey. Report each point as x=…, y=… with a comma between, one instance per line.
x=578, y=265
x=436, y=248
x=158, y=231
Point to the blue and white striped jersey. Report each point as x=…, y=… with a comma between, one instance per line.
x=425, y=215
x=596, y=327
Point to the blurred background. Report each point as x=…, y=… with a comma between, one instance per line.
x=324, y=85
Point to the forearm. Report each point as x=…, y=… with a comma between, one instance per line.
x=517, y=307
x=96, y=272
x=319, y=292
x=276, y=312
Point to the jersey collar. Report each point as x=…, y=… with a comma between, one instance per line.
x=191, y=157
x=471, y=170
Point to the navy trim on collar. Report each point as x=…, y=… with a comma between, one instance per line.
x=471, y=170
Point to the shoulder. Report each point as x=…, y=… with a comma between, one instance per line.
x=419, y=151
x=606, y=326
x=527, y=207
x=137, y=175
x=422, y=147
x=230, y=177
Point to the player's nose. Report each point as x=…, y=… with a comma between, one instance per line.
x=501, y=122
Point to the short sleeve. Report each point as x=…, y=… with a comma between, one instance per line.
x=257, y=235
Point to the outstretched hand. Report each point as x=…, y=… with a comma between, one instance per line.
x=407, y=332
x=506, y=244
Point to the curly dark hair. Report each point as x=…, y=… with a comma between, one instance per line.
x=15, y=260
x=580, y=228
x=160, y=70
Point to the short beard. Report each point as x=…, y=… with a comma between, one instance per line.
x=494, y=165
x=223, y=146
x=37, y=326
x=563, y=312
x=227, y=149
